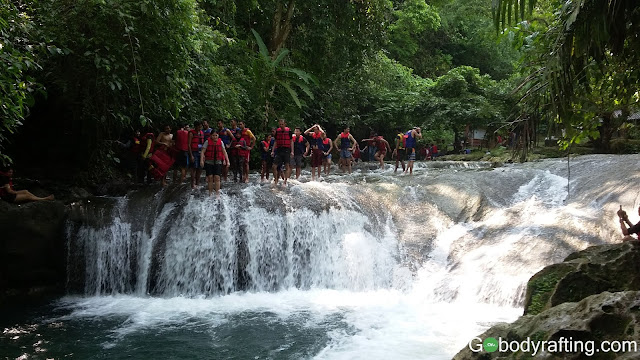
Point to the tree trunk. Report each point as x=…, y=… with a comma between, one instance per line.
x=606, y=132
x=281, y=27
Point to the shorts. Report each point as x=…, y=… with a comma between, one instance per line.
x=316, y=157
x=345, y=154
x=182, y=159
x=196, y=162
x=213, y=169
x=283, y=156
x=327, y=157
x=401, y=154
x=10, y=198
x=296, y=160
x=411, y=154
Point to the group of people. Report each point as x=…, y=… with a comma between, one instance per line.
x=217, y=150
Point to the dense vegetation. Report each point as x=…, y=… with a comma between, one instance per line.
x=77, y=75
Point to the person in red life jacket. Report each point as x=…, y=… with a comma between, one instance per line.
x=238, y=153
x=371, y=147
x=410, y=142
x=196, y=140
x=226, y=136
x=400, y=152
x=433, y=151
x=327, y=147
x=381, y=145
x=316, y=149
x=347, y=144
x=10, y=195
x=182, y=152
x=267, y=161
x=213, y=158
x=250, y=139
x=300, y=147
x=282, y=152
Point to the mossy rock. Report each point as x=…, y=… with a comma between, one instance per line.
x=591, y=271
x=596, y=318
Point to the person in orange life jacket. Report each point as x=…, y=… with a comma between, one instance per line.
x=267, y=161
x=327, y=147
x=148, y=146
x=282, y=152
x=347, y=144
x=316, y=149
x=226, y=136
x=213, y=158
x=182, y=155
x=250, y=139
x=10, y=195
x=196, y=140
x=411, y=140
x=381, y=146
x=399, y=153
x=300, y=147
x=238, y=156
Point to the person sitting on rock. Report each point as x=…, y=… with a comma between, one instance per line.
x=8, y=194
x=633, y=229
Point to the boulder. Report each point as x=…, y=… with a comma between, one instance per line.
x=612, y=317
x=32, y=256
x=594, y=270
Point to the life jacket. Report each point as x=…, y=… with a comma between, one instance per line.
x=197, y=140
x=182, y=138
x=233, y=150
x=136, y=146
x=345, y=142
x=266, y=145
x=299, y=144
x=401, y=141
x=326, y=144
x=245, y=135
x=283, y=137
x=214, y=151
x=242, y=152
x=317, y=136
x=152, y=137
x=410, y=141
x=226, y=139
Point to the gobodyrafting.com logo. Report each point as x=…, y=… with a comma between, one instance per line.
x=562, y=345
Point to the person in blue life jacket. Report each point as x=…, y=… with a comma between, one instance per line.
x=410, y=141
x=346, y=143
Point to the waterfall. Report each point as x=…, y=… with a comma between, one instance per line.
x=464, y=232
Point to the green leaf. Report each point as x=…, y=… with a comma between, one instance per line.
x=293, y=93
x=261, y=45
x=281, y=56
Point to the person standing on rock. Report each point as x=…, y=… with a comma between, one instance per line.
x=10, y=195
x=633, y=229
x=196, y=140
x=213, y=158
x=282, y=152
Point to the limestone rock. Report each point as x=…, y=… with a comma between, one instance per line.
x=597, y=318
x=591, y=271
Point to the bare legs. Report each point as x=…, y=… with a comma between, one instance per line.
x=24, y=195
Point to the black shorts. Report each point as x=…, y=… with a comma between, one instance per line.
x=401, y=154
x=296, y=160
x=283, y=156
x=182, y=159
x=211, y=169
x=10, y=198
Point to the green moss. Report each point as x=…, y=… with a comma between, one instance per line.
x=541, y=287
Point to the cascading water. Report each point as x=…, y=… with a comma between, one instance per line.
x=369, y=265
